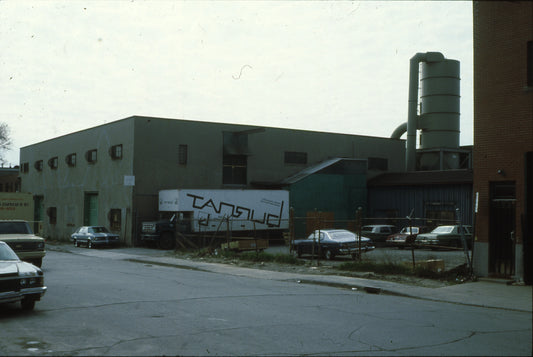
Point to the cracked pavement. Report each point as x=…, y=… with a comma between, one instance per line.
x=104, y=302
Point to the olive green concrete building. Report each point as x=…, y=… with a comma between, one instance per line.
x=111, y=174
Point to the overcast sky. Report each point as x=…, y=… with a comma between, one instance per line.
x=336, y=66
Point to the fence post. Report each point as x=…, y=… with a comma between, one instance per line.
x=291, y=228
x=463, y=239
x=319, y=222
x=358, y=229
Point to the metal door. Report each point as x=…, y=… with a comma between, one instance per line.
x=502, y=230
x=90, y=214
x=38, y=209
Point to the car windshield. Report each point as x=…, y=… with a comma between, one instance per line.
x=367, y=229
x=100, y=230
x=443, y=229
x=408, y=230
x=6, y=253
x=15, y=228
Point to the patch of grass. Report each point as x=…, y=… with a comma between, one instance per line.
x=388, y=268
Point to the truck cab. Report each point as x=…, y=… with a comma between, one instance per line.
x=162, y=233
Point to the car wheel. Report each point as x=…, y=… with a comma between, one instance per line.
x=355, y=256
x=299, y=252
x=75, y=243
x=27, y=304
x=166, y=241
x=329, y=255
x=89, y=244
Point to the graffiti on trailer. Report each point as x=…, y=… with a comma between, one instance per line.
x=238, y=212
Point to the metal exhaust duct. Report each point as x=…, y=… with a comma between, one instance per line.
x=439, y=105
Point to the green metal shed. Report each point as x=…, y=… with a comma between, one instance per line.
x=336, y=188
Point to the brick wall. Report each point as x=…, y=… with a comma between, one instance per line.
x=503, y=105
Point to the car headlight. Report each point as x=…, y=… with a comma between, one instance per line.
x=40, y=245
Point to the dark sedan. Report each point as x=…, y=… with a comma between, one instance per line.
x=94, y=236
x=332, y=242
x=406, y=237
x=19, y=281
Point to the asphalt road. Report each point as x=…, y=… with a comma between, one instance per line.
x=98, y=305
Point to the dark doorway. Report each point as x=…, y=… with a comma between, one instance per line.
x=38, y=209
x=502, y=229
x=90, y=214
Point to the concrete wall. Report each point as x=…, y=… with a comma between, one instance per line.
x=150, y=155
x=156, y=154
x=65, y=187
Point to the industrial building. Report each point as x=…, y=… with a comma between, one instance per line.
x=111, y=174
x=503, y=137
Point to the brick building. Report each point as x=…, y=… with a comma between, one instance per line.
x=503, y=138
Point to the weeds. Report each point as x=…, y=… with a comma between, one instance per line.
x=386, y=267
x=261, y=257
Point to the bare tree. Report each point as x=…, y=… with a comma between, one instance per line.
x=5, y=141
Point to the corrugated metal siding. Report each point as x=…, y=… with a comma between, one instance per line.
x=406, y=198
x=340, y=194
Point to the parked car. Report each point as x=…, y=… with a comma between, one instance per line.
x=378, y=232
x=406, y=237
x=19, y=236
x=94, y=236
x=449, y=236
x=19, y=281
x=332, y=242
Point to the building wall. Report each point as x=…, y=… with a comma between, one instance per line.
x=418, y=200
x=503, y=110
x=150, y=155
x=156, y=152
x=64, y=188
x=336, y=196
x=9, y=179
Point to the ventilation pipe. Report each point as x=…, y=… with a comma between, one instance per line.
x=412, y=117
x=439, y=113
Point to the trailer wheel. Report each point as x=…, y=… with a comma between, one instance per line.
x=166, y=241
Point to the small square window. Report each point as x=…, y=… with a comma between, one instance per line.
x=53, y=163
x=115, y=221
x=91, y=156
x=116, y=152
x=39, y=165
x=71, y=160
x=293, y=157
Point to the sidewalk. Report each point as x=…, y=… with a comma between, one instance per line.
x=483, y=293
